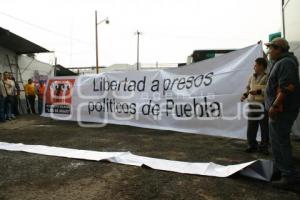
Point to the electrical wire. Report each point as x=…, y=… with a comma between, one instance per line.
x=44, y=29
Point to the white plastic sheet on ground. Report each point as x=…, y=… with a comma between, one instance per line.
x=258, y=169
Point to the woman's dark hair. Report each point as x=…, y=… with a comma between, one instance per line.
x=262, y=61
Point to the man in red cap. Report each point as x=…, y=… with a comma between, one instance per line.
x=282, y=100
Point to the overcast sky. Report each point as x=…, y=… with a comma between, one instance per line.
x=171, y=29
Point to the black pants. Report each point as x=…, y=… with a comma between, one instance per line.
x=280, y=129
x=15, y=105
x=257, y=119
x=31, y=101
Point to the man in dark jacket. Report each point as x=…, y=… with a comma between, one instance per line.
x=283, y=102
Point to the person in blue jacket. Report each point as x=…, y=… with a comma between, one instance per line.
x=282, y=100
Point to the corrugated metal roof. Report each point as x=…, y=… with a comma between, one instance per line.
x=18, y=44
x=62, y=71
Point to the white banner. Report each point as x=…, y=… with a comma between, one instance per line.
x=200, y=98
x=259, y=169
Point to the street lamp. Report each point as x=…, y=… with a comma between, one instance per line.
x=96, y=34
x=138, y=33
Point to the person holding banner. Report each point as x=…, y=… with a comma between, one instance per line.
x=41, y=91
x=30, y=95
x=283, y=103
x=2, y=99
x=9, y=87
x=15, y=97
x=257, y=115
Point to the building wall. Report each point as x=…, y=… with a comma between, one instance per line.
x=292, y=34
x=32, y=68
x=3, y=59
x=292, y=25
x=29, y=67
x=128, y=67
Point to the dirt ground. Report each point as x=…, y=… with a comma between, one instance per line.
x=30, y=176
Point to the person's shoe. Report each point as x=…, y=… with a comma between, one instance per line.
x=276, y=175
x=251, y=150
x=286, y=182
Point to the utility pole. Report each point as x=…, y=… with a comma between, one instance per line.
x=96, y=36
x=138, y=33
x=55, y=64
x=283, y=17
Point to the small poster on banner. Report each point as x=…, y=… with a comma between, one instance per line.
x=59, y=96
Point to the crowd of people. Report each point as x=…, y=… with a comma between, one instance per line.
x=10, y=97
x=274, y=102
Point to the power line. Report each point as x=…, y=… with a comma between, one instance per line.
x=44, y=29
